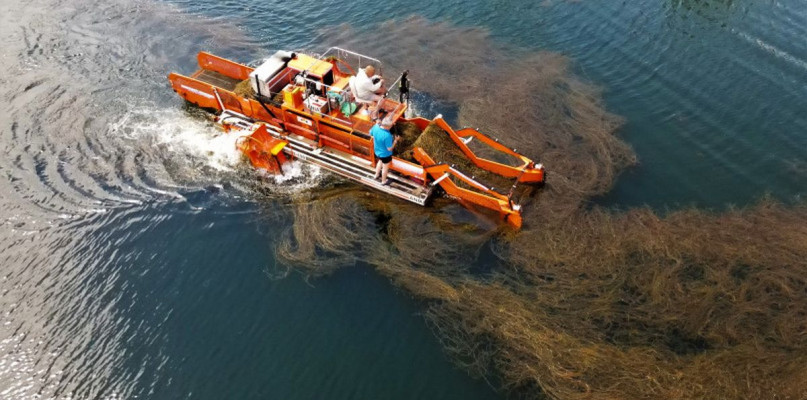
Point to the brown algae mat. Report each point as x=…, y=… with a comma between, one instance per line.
x=583, y=302
x=244, y=89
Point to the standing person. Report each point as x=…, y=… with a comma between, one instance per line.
x=383, y=143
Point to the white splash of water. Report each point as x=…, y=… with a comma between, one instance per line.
x=775, y=51
x=219, y=147
x=185, y=136
x=297, y=177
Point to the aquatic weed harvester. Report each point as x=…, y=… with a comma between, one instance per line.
x=299, y=106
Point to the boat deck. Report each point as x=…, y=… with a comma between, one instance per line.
x=353, y=167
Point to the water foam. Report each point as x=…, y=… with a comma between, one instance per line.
x=195, y=142
x=181, y=134
x=773, y=50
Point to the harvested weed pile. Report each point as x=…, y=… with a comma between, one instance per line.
x=244, y=89
x=442, y=149
x=408, y=133
x=583, y=303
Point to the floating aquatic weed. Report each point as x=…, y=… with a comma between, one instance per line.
x=633, y=306
x=583, y=302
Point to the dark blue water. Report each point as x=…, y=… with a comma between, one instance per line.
x=202, y=300
x=133, y=266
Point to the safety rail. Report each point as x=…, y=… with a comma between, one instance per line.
x=340, y=51
x=319, y=85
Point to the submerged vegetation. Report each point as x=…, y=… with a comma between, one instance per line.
x=583, y=302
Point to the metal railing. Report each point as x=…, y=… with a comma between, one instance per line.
x=318, y=85
x=360, y=59
x=341, y=54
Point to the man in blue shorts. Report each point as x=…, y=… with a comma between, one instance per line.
x=383, y=143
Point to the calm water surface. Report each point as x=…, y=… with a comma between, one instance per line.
x=137, y=262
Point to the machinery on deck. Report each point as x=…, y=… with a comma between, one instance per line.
x=300, y=106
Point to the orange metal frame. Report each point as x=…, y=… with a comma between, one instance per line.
x=528, y=172
x=488, y=198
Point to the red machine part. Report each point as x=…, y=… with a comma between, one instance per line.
x=263, y=150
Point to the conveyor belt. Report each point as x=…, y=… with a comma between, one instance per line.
x=216, y=79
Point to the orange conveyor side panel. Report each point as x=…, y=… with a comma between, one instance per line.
x=485, y=198
x=197, y=92
x=223, y=66
x=528, y=172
